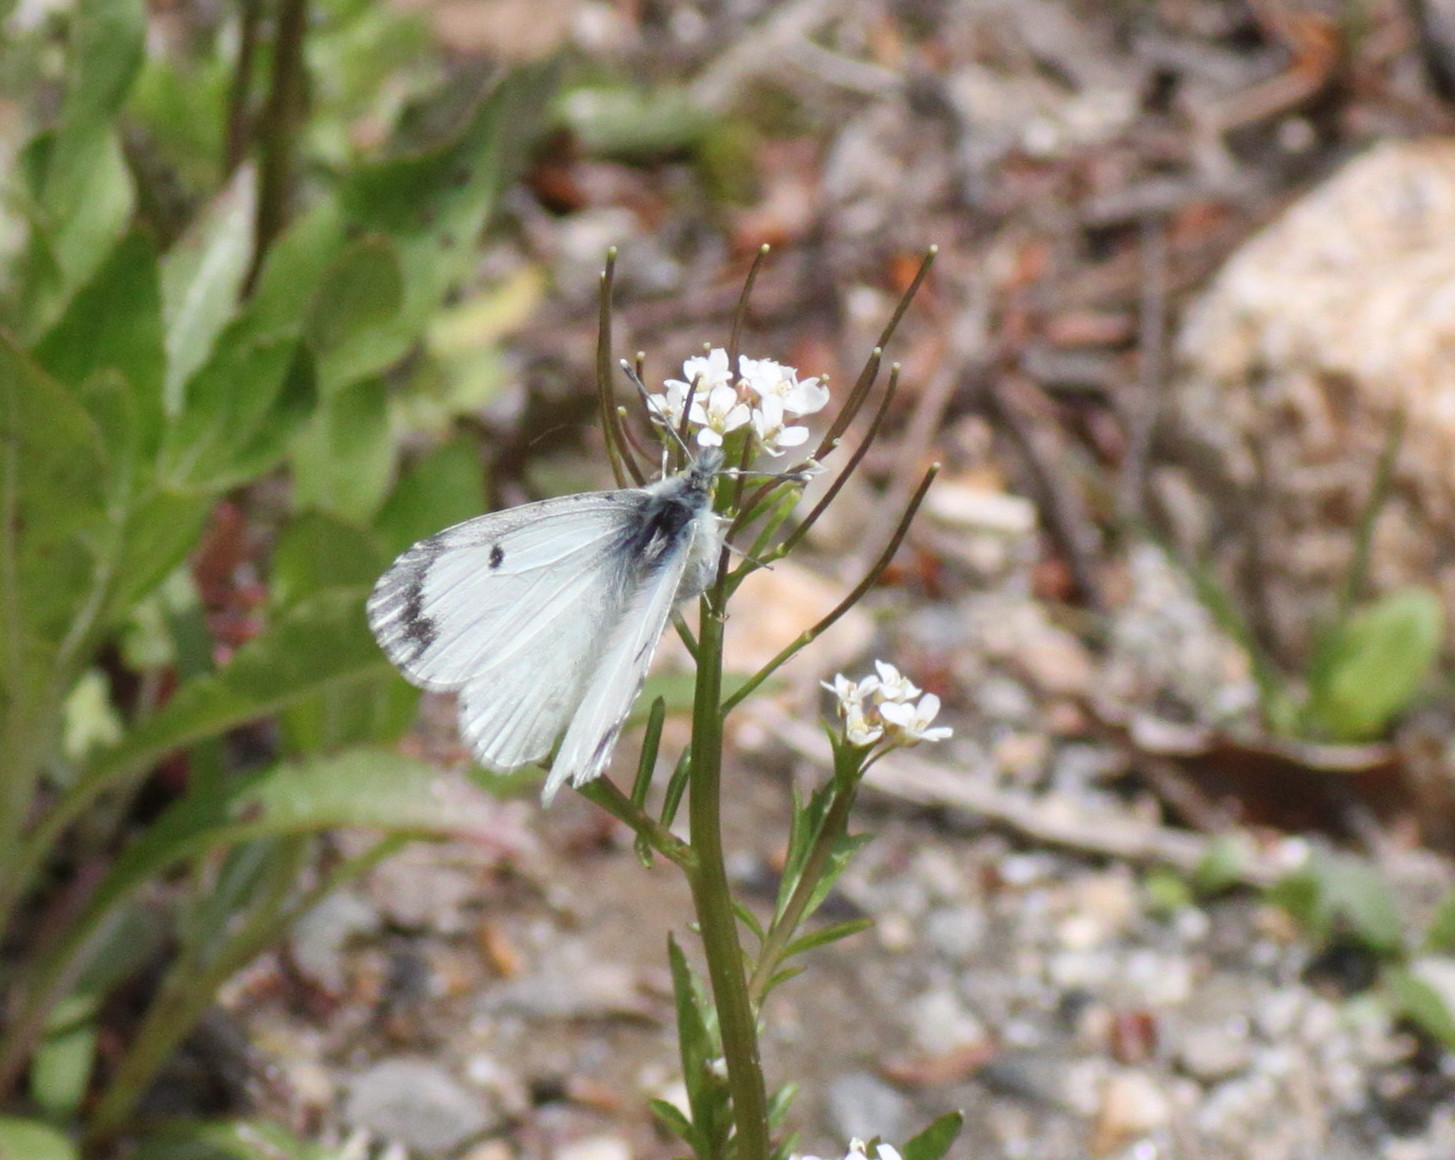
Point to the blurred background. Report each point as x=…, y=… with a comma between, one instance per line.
x=286, y=285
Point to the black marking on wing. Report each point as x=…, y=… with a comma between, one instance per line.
x=420, y=629
x=497, y=556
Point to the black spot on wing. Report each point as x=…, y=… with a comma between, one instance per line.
x=497, y=556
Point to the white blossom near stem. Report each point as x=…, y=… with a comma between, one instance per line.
x=721, y=414
x=768, y=425
x=894, y=685
x=763, y=396
x=908, y=724
x=882, y=707
x=772, y=380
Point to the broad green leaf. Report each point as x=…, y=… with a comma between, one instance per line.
x=439, y=490
x=358, y=295
x=104, y=53
x=343, y=459
x=114, y=323
x=80, y=185
x=318, y=644
x=202, y=275
x=52, y=470
x=282, y=301
x=228, y=404
x=1374, y=664
x=1425, y=994
x=368, y=788
x=163, y=529
x=936, y=1140
x=315, y=553
x=436, y=202
x=32, y=1140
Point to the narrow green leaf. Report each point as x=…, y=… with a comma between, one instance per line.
x=240, y=1140
x=647, y=761
x=818, y=938
x=671, y=1118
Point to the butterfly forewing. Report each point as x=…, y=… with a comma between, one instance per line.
x=511, y=609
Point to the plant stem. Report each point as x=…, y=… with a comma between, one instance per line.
x=835, y=825
x=712, y=898
x=610, y=798
x=278, y=131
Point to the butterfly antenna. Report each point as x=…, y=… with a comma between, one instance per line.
x=652, y=411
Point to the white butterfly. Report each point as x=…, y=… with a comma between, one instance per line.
x=545, y=617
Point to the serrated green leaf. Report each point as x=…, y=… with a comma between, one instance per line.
x=1374, y=663
x=936, y=1140
x=32, y=1140
x=202, y=276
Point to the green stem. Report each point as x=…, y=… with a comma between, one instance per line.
x=785, y=926
x=610, y=798
x=712, y=899
x=278, y=132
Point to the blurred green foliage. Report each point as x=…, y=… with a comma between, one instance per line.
x=160, y=356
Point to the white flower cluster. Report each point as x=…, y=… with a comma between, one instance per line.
x=884, y=706
x=859, y=1150
x=764, y=396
